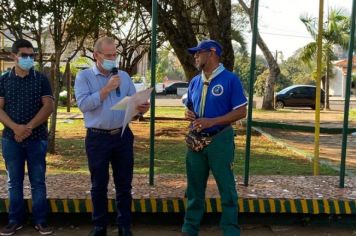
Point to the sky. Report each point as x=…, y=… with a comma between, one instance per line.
x=280, y=26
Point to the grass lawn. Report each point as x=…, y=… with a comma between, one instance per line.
x=178, y=112
x=267, y=158
x=72, y=109
x=352, y=115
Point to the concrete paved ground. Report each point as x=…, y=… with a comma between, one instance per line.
x=174, y=186
x=174, y=230
x=170, y=225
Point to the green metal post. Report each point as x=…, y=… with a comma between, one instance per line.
x=347, y=97
x=250, y=95
x=153, y=84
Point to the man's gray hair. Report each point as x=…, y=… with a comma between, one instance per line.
x=100, y=41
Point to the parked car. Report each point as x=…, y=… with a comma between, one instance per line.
x=159, y=88
x=139, y=83
x=184, y=98
x=139, y=86
x=172, y=88
x=298, y=96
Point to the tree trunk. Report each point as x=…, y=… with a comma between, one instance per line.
x=219, y=27
x=327, y=82
x=69, y=85
x=274, y=70
x=52, y=130
x=52, y=72
x=180, y=34
x=39, y=39
x=40, y=56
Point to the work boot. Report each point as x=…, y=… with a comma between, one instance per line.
x=124, y=231
x=98, y=231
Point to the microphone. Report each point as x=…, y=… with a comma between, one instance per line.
x=114, y=71
x=190, y=106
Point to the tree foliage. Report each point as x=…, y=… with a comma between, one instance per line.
x=335, y=32
x=24, y=19
x=281, y=82
x=274, y=70
x=131, y=29
x=70, y=24
x=63, y=23
x=242, y=68
x=296, y=71
x=167, y=66
x=185, y=22
x=65, y=28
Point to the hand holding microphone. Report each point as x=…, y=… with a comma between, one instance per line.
x=114, y=73
x=114, y=82
x=189, y=113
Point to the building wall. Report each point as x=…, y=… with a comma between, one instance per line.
x=7, y=64
x=353, y=84
x=336, y=87
x=143, y=65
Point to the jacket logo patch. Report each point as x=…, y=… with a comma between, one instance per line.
x=217, y=90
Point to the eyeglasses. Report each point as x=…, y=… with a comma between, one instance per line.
x=31, y=55
x=108, y=55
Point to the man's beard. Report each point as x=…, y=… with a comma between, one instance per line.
x=201, y=66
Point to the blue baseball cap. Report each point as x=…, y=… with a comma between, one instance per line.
x=207, y=45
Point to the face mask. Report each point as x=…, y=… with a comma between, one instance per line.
x=26, y=63
x=108, y=64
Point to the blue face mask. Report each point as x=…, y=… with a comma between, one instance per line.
x=26, y=63
x=108, y=64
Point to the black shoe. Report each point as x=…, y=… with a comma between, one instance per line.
x=124, y=231
x=44, y=229
x=11, y=229
x=98, y=231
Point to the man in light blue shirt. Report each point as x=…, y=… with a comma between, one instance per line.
x=88, y=89
x=97, y=89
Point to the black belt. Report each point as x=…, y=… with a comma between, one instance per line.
x=106, y=131
x=212, y=133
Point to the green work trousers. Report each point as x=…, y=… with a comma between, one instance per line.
x=218, y=157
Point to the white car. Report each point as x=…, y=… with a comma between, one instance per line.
x=159, y=88
x=139, y=86
x=142, y=86
x=184, y=98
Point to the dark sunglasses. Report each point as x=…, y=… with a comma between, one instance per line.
x=32, y=55
x=202, y=51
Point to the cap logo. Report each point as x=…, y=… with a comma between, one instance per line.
x=217, y=90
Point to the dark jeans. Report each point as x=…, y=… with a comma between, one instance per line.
x=15, y=155
x=103, y=149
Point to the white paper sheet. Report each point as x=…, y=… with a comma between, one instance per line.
x=130, y=103
x=122, y=104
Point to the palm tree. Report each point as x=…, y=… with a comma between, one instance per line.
x=335, y=32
